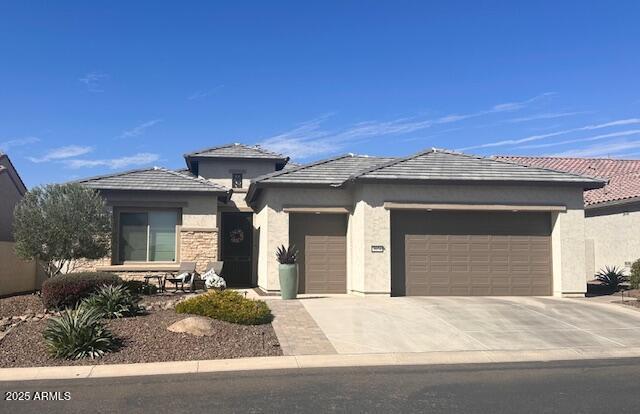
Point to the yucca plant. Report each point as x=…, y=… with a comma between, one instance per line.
x=113, y=301
x=612, y=277
x=78, y=333
x=287, y=255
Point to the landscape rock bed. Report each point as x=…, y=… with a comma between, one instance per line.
x=145, y=338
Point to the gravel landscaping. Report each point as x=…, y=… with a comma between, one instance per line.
x=146, y=339
x=19, y=305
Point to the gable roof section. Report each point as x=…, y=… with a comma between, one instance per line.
x=9, y=169
x=332, y=171
x=623, y=175
x=443, y=165
x=237, y=151
x=153, y=179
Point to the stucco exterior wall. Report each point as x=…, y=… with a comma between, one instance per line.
x=273, y=222
x=197, y=235
x=17, y=275
x=613, y=234
x=220, y=170
x=370, y=225
x=374, y=226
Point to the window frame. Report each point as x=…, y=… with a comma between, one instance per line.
x=115, y=253
x=233, y=179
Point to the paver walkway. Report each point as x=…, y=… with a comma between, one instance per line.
x=297, y=332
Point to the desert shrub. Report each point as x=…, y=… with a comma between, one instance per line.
x=67, y=290
x=611, y=277
x=229, y=306
x=137, y=287
x=78, y=333
x=113, y=301
x=634, y=279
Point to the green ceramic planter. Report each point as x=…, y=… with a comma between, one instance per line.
x=289, y=281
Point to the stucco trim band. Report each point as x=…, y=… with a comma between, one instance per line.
x=326, y=210
x=471, y=207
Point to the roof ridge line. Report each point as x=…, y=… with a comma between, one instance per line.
x=197, y=179
x=354, y=176
x=254, y=147
x=300, y=167
x=95, y=177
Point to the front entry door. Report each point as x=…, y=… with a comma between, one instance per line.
x=237, y=232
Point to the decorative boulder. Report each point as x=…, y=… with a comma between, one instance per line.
x=194, y=325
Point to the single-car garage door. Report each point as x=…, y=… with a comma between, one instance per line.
x=471, y=253
x=321, y=240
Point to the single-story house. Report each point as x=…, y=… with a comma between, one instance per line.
x=433, y=223
x=16, y=275
x=612, y=213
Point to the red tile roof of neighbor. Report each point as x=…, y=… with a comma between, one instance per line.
x=623, y=175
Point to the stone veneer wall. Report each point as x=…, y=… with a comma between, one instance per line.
x=200, y=246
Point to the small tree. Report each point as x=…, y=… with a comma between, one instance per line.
x=60, y=223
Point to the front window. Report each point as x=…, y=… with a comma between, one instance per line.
x=148, y=236
x=236, y=180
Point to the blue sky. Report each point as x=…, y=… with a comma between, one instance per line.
x=88, y=88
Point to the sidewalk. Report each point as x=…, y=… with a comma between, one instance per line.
x=312, y=361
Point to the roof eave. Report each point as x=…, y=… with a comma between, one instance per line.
x=586, y=185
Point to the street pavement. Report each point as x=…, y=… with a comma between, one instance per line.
x=593, y=386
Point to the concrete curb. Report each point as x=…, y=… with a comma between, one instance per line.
x=313, y=361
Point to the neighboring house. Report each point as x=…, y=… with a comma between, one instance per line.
x=612, y=213
x=434, y=223
x=12, y=189
x=16, y=275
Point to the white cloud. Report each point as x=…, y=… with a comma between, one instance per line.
x=551, y=115
x=61, y=153
x=115, y=163
x=588, y=139
x=139, y=129
x=311, y=139
x=204, y=93
x=93, y=81
x=17, y=142
x=510, y=142
x=603, y=150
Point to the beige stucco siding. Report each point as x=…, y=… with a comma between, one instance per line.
x=273, y=222
x=373, y=227
x=198, y=210
x=220, y=170
x=197, y=233
x=369, y=225
x=612, y=234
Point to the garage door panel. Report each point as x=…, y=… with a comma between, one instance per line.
x=495, y=263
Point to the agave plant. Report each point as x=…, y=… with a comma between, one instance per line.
x=78, y=333
x=113, y=301
x=611, y=277
x=286, y=255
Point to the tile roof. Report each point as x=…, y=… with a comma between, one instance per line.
x=236, y=151
x=623, y=175
x=153, y=179
x=332, y=171
x=443, y=165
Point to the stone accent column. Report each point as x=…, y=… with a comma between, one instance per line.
x=199, y=245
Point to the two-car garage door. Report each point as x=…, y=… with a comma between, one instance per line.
x=470, y=253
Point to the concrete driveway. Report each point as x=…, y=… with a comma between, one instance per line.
x=420, y=324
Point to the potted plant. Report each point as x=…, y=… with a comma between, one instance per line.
x=288, y=268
